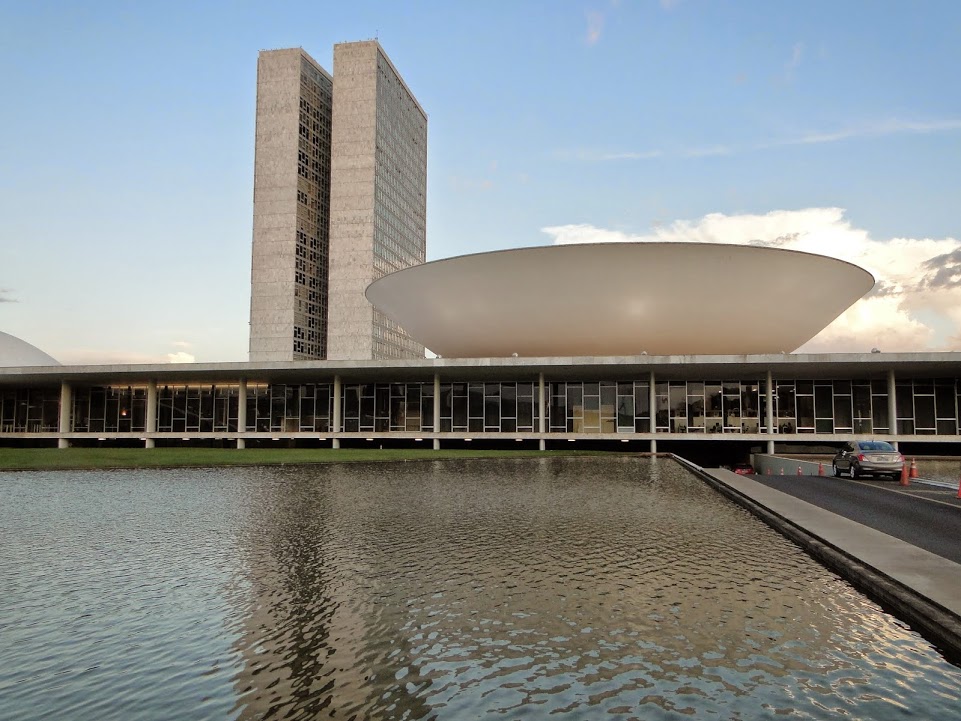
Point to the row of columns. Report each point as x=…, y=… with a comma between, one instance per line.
x=66, y=403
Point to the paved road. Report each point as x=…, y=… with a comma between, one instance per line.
x=927, y=517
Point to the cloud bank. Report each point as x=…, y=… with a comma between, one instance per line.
x=915, y=305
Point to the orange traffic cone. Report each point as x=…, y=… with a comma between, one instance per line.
x=799, y=471
x=904, y=476
x=914, y=469
x=820, y=468
x=959, y=490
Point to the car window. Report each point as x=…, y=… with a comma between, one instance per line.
x=876, y=446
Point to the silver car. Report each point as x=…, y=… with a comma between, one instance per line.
x=868, y=458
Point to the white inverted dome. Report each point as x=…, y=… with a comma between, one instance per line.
x=620, y=299
x=15, y=353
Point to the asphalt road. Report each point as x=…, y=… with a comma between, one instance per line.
x=927, y=517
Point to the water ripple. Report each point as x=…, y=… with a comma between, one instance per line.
x=445, y=590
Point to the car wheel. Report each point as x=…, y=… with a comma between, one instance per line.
x=852, y=472
x=837, y=471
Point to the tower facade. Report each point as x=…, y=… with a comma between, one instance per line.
x=289, y=268
x=340, y=187
x=378, y=198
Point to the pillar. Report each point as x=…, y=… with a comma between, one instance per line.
x=66, y=405
x=151, y=413
x=652, y=410
x=241, y=413
x=769, y=411
x=892, y=406
x=436, y=410
x=541, y=413
x=336, y=424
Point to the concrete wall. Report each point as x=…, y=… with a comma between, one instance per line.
x=353, y=149
x=780, y=466
x=275, y=206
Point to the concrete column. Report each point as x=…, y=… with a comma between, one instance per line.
x=66, y=406
x=151, y=413
x=652, y=410
x=769, y=412
x=241, y=412
x=892, y=406
x=437, y=410
x=336, y=423
x=541, y=412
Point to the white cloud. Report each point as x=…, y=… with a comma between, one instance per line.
x=596, y=156
x=797, y=53
x=707, y=152
x=915, y=306
x=181, y=344
x=87, y=356
x=467, y=185
x=875, y=129
x=595, y=26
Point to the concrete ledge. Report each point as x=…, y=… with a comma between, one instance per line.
x=913, y=584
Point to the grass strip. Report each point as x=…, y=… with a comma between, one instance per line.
x=42, y=459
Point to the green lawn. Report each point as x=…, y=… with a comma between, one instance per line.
x=73, y=458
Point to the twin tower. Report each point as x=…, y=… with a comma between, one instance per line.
x=340, y=199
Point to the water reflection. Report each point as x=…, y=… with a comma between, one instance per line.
x=444, y=590
x=447, y=590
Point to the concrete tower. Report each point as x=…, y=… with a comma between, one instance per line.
x=340, y=189
x=288, y=298
x=378, y=216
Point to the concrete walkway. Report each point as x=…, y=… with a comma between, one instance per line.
x=919, y=585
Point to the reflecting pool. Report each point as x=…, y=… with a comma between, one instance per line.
x=563, y=588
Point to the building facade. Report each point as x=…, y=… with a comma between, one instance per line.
x=289, y=263
x=378, y=199
x=339, y=199
x=668, y=403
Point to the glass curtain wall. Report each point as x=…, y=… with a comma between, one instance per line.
x=928, y=407
x=598, y=407
x=488, y=407
x=284, y=408
x=859, y=406
x=826, y=406
x=708, y=406
x=29, y=410
x=385, y=407
x=110, y=409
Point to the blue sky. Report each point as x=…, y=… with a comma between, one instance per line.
x=126, y=151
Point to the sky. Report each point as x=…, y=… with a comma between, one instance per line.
x=127, y=141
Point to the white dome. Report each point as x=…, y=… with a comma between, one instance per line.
x=15, y=353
